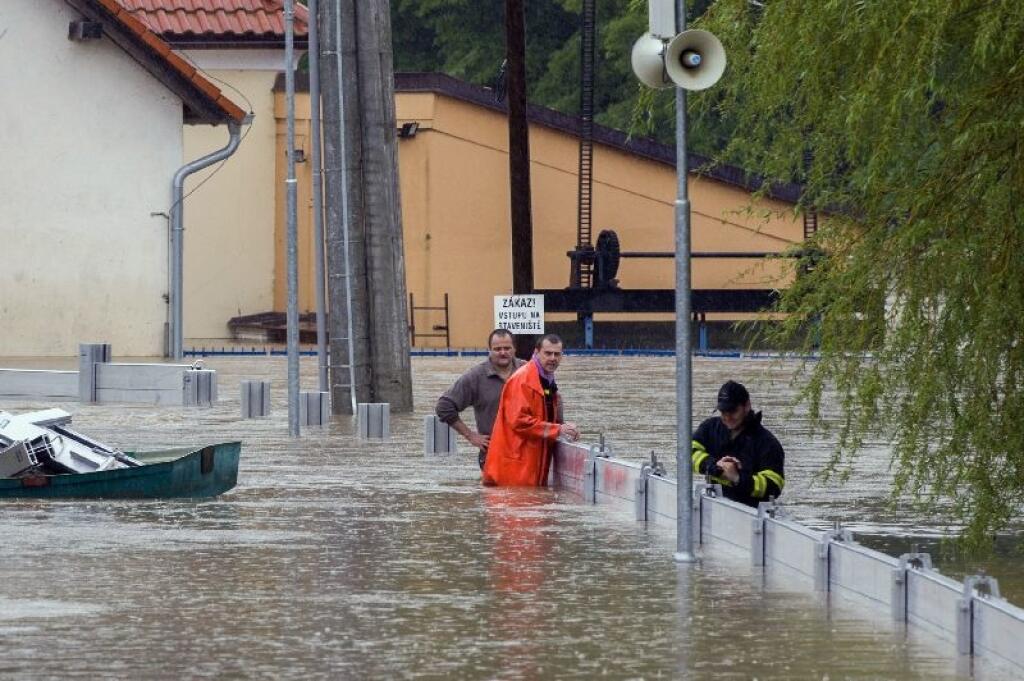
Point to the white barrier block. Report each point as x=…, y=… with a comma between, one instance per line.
x=439, y=437
x=374, y=420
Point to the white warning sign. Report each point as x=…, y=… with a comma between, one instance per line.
x=520, y=314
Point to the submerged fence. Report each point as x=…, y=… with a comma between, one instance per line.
x=970, y=613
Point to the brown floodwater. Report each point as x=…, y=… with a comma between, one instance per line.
x=335, y=558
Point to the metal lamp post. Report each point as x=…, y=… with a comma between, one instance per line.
x=684, y=368
x=669, y=55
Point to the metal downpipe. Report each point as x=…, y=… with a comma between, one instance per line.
x=177, y=230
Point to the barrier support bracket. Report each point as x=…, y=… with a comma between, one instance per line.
x=590, y=476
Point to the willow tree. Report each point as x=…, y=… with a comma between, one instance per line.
x=905, y=123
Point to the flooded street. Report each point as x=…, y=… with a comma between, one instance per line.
x=335, y=558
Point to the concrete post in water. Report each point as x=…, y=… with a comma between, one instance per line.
x=255, y=399
x=390, y=364
x=89, y=355
x=315, y=408
x=438, y=436
x=374, y=420
x=199, y=388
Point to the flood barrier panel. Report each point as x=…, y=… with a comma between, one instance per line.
x=39, y=384
x=979, y=622
x=98, y=380
x=724, y=521
x=868, y=573
x=997, y=630
x=934, y=603
x=157, y=384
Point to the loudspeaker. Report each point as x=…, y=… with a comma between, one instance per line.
x=648, y=62
x=694, y=60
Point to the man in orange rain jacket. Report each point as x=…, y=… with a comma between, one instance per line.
x=529, y=421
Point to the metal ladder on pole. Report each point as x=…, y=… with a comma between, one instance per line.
x=346, y=214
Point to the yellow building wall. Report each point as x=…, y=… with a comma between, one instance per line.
x=455, y=211
x=230, y=216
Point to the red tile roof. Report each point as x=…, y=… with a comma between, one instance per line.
x=235, y=20
x=204, y=101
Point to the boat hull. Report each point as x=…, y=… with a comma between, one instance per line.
x=170, y=474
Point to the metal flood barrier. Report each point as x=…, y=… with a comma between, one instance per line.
x=255, y=398
x=970, y=613
x=374, y=420
x=39, y=384
x=98, y=380
x=439, y=437
x=314, y=408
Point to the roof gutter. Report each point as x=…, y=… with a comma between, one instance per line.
x=174, y=349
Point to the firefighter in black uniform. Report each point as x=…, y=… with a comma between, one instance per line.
x=736, y=451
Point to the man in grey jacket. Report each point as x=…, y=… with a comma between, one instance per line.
x=480, y=388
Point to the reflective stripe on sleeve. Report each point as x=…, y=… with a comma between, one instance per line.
x=698, y=458
x=779, y=481
x=760, y=485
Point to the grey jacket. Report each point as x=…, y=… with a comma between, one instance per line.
x=480, y=388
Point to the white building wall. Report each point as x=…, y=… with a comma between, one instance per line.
x=89, y=143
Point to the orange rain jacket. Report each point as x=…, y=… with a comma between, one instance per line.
x=522, y=442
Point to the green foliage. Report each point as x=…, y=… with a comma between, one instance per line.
x=466, y=39
x=905, y=120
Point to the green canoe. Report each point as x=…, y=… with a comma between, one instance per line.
x=167, y=474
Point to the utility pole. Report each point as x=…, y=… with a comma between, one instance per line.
x=366, y=262
x=519, y=159
x=390, y=365
x=349, y=338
